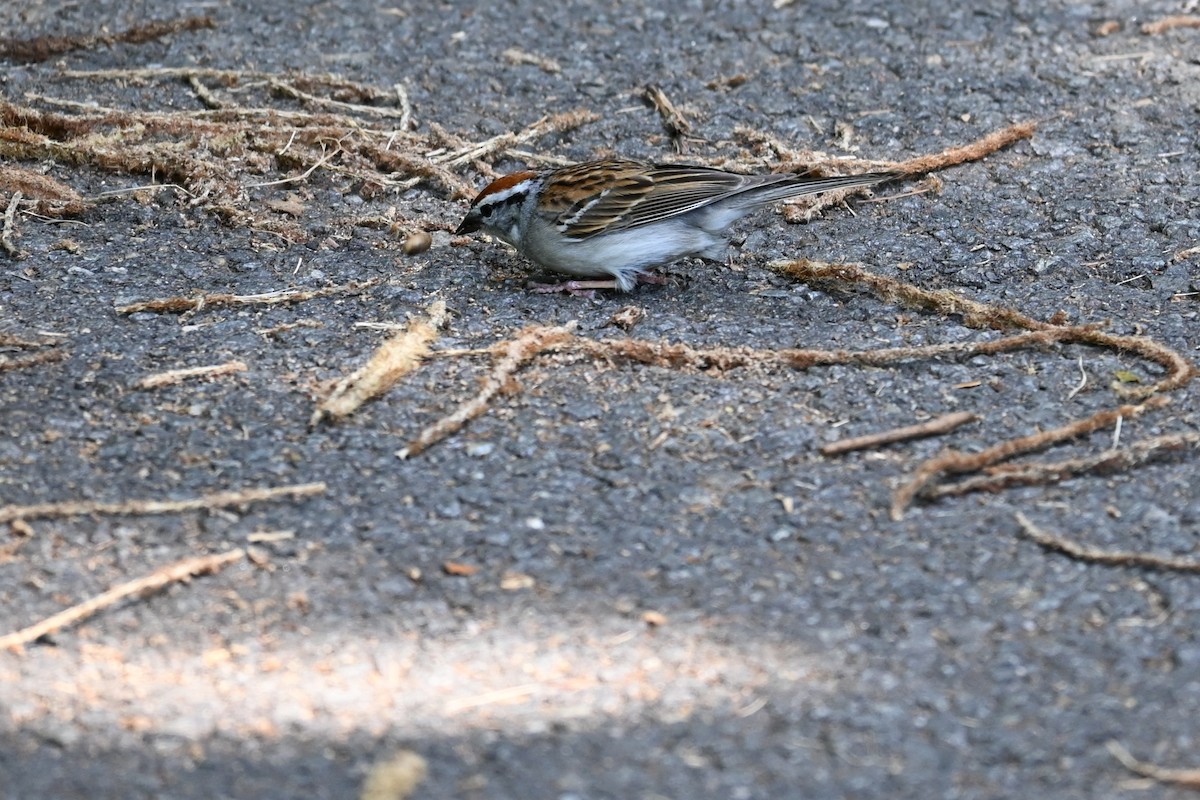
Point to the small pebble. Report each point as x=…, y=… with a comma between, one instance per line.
x=417, y=242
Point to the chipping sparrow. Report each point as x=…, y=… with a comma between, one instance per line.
x=623, y=218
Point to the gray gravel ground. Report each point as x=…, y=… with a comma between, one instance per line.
x=818, y=652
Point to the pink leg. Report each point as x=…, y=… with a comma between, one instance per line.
x=573, y=288
x=586, y=288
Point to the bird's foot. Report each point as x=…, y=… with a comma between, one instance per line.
x=587, y=288
x=574, y=288
x=652, y=279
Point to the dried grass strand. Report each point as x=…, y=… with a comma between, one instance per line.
x=179, y=572
x=43, y=48
x=180, y=304
x=79, y=508
x=934, y=427
x=1187, y=778
x=174, y=376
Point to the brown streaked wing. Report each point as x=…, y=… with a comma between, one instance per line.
x=572, y=187
x=639, y=195
x=586, y=198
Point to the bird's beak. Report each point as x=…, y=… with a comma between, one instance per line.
x=471, y=223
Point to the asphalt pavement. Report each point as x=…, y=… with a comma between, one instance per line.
x=622, y=580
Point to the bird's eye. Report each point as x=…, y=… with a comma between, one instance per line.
x=486, y=211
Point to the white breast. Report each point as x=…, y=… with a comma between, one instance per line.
x=622, y=254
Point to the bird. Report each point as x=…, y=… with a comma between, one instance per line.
x=607, y=224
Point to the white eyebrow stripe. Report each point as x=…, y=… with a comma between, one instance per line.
x=504, y=194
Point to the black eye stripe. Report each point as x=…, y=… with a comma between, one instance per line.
x=486, y=209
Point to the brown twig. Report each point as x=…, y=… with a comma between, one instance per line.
x=1185, y=778
x=980, y=148
x=174, y=376
x=32, y=360
x=516, y=353
x=1179, y=371
x=175, y=305
x=1002, y=476
x=515, y=55
x=287, y=89
x=43, y=48
x=676, y=125
x=395, y=358
x=1112, y=558
x=805, y=209
x=21, y=343
x=974, y=313
x=1170, y=23
x=181, y=571
x=934, y=427
x=42, y=189
x=77, y=508
x=718, y=360
x=204, y=93
x=952, y=461
x=821, y=165
x=553, y=124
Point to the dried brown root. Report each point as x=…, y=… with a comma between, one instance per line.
x=78, y=508
x=179, y=572
x=515, y=354
x=174, y=376
x=33, y=360
x=1179, y=371
x=975, y=151
x=402, y=353
x=44, y=48
x=1003, y=476
x=718, y=360
x=1187, y=778
x=1112, y=558
x=934, y=427
x=974, y=314
x=806, y=208
x=178, y=305
x=1165, y=24
x=954, y=462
